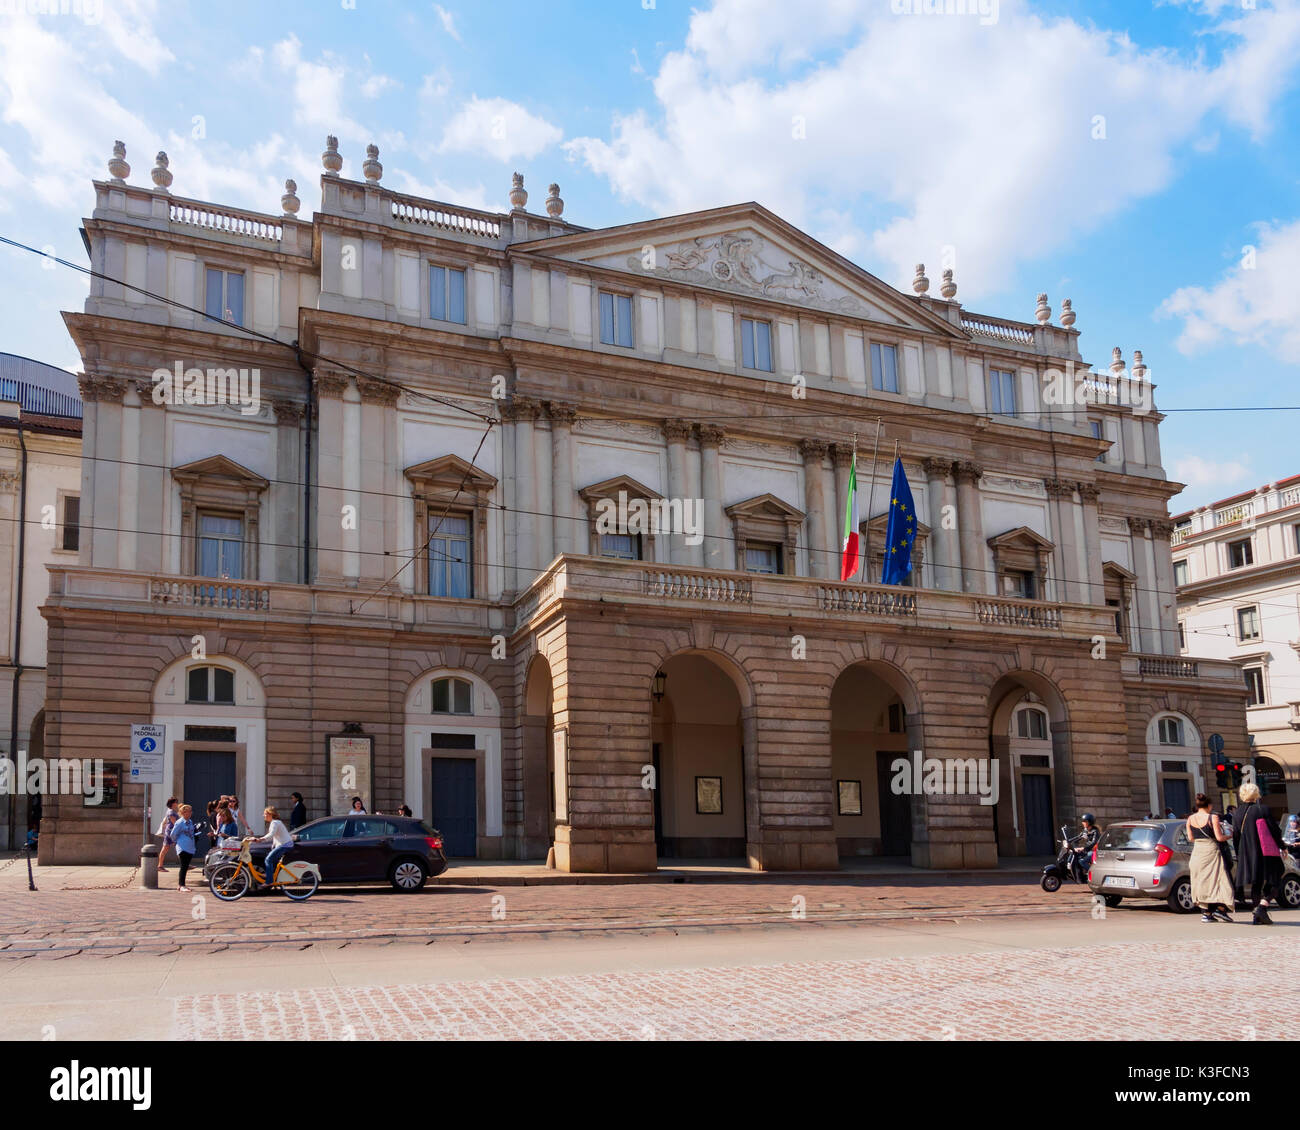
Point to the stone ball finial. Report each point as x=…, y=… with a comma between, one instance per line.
x=920, y=283
x=331, y=159
x=1067, y=313
x=371, y=167
x=118, y=169
x=554, y=204
x=948, y=288
x=162, y=178
x=289, y=201
x=1042, y=311
x=1116, y=360
x=518, y=194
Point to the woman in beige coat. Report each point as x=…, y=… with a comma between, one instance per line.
x=1211, y=884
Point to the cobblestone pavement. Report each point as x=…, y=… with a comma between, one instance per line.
x=57, y=922
x=1042, y=993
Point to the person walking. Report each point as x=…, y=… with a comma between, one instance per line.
x=239, y=816
x=183, y=837
x=165, y=831
x=298, y=816
x=1259, y=858
x=1211, y=884
x=279, y=838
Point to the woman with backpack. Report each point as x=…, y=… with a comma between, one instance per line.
x=1259, y=856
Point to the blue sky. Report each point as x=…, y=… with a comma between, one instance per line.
x=1124, y=154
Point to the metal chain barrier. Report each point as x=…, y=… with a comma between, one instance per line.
x=110, y=886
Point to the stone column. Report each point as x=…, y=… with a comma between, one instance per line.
x=285, y=495
x=945, y=555
x=1167, y=597
x=526, y=490
x=377, y=504
x=1088, y=494
x=132, y=521
x=814, y=459
x=719, y=543
x=1066, y=554
x=842, y=455
x=330, y=387
x=566, y=527
x=676, y=432
x=970, y=527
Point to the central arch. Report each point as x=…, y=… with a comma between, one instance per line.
x=1029, y=739
x=701, y=712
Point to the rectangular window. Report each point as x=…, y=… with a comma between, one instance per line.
x=1248, y=623
x=1254, y=686
x=70, y=535
x=1240, y=554
x=1002, y=392
x=1181, y=573
x=449, y=556
x=1119, y=616
x=884, y=368
x=762, y=557
x=1171, y=731
x=1295, y=530
x=1020, y=583
x=1095, y=427
x=626, y=547
x=616, y=319
x=220, y=547
x=225, y=296
x=1182, y=636
x=447, y=294
x=755, y=344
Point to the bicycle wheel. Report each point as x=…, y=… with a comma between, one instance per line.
x=299, y=889
x=229, y=881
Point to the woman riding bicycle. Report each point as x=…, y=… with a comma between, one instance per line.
x=281, y=841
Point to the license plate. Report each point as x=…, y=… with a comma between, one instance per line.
x=1118, y=881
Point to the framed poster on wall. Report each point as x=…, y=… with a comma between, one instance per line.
x=561, y=775
x=350, y=770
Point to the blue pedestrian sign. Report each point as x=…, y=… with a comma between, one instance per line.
x=147, y=745
x=1216, y=744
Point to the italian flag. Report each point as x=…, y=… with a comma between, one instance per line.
x=849, y=566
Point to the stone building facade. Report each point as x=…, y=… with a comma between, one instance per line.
x=422, y=536
x=1237, y=567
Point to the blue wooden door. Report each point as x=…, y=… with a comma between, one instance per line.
x=209, y=775
x=1040, y=838
x=454, y=808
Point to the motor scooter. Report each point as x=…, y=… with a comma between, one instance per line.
x=1070, y=866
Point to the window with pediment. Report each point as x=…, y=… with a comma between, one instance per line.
x=221, y=503
x=766, y=531
x=451, y=499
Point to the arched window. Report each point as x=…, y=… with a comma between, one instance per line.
x=210, y=684
x=452, y=696
x=1170, y=730
x=1031, y=723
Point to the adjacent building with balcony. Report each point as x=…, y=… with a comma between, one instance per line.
x=40, y=525
x=401, y=565
x=1237, y=565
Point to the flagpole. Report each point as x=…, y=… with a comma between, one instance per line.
x=871, y=491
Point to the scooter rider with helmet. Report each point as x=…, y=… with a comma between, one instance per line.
x=1083, y=844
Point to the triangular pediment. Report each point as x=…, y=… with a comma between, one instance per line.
x=746, y=250
x=217, y=468
x=1022, y=537
x=765, y=506
x=450, y=470
x=1115, y=569
x=610, y=488
x=880, y=524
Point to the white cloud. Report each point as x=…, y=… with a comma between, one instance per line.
x=497, y=128
x=929, y=132
x=435, y=84
x=1254, y=304
x=128, y=26
x=448, y=22
x=1225, y=475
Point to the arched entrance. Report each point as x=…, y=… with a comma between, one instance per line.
x=538, y=740
x=1029, y=741
x=697, y=749
x=1174, y=764
x=872, y=709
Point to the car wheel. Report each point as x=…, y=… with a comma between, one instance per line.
x=1051, y=883
x=1113, y=901
x=408, y=876
x=1288, y=891
x=1180, y=898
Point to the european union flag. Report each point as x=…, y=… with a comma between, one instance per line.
x=901, y=531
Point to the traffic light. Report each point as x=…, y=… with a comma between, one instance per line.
x=1235, y=769
x=1221, y=776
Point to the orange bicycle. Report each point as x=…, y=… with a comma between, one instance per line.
x=230, y=881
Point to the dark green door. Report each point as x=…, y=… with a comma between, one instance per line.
x=454, y=807
x=1037, y=791
x=209, y=775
